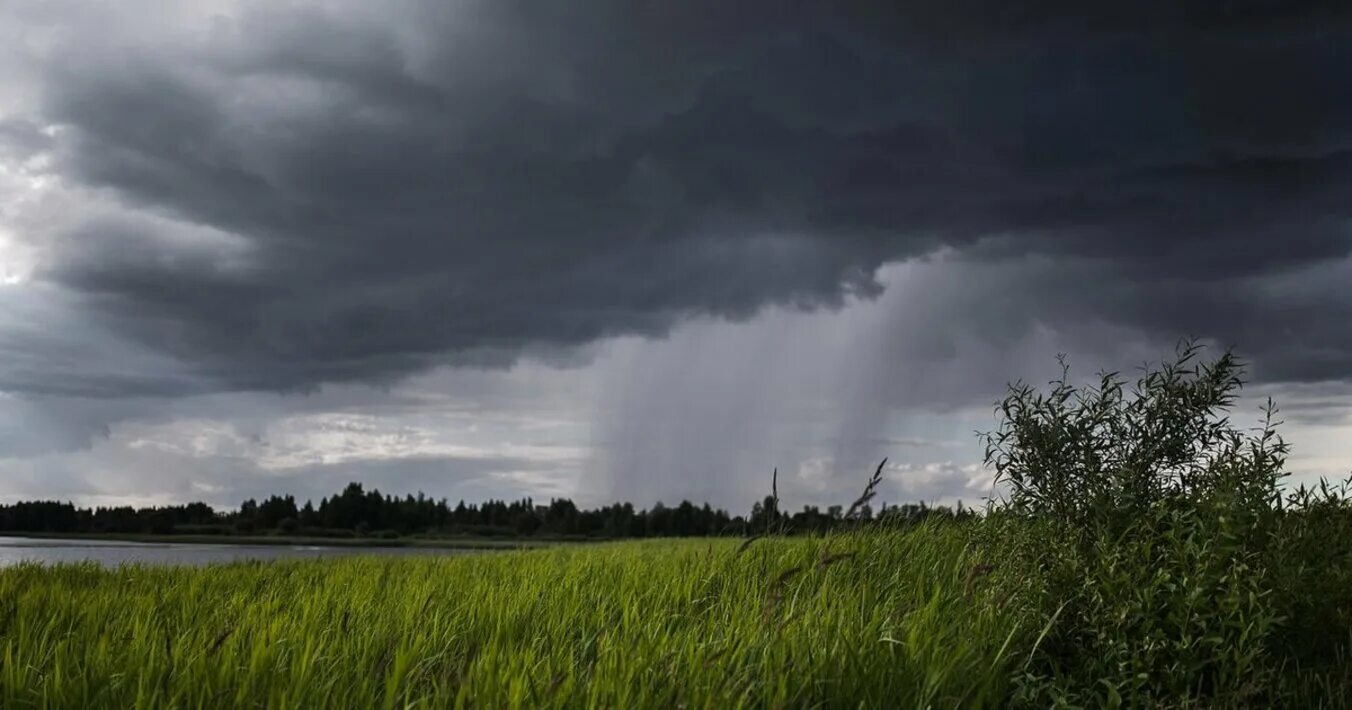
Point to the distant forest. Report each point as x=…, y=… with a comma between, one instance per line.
x=356, y=512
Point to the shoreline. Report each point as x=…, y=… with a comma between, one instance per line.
x=295, y=540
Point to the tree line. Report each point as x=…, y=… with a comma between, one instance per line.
x=357, y=512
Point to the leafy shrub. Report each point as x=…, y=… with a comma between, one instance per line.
x=1105, y=455
x=1312, y=559
x=1166, y=612
x=1146, y=534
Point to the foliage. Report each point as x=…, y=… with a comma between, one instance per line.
x=1312, y=575
x=1148, y=534
x=1102, y=454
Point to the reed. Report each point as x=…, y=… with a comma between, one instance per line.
x=868, y=618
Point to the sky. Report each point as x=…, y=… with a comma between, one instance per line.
x=609, y=249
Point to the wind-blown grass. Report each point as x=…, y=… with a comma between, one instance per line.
x=986, y=612
x=877, y=619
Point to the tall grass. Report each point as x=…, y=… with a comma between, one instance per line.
x=876, y=619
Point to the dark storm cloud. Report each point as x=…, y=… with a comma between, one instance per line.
x=339, y=195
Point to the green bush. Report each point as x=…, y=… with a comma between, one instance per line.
x=1104, y=455
x=1166, y=612
x=1147, y=535
x=1312, y=575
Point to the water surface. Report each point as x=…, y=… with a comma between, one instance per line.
x=112, y=553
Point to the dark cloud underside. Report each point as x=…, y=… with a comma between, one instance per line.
x=345, y=194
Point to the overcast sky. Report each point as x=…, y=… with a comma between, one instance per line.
x=644, y=250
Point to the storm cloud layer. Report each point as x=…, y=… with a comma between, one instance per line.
x=285, y=194
x=641, y=248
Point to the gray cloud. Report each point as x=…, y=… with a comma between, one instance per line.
x=323, y=193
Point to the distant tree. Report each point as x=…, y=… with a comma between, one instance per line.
x=357, y=510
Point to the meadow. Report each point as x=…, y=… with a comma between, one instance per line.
x=854, y=619
x=1146, y=555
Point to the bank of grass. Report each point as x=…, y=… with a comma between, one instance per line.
x=882, y=618
x=997, y=611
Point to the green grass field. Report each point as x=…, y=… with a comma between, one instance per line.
x=874, y=619
x=939, y=614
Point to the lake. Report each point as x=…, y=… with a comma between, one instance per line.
x=112, y=553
